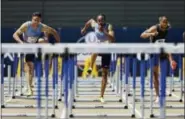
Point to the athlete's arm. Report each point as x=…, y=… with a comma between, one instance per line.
x=19, y=32
x=152, y=31
x=52, y=31
x=90, y=23
x=110, y=33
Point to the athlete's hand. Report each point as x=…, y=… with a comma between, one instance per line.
x=83, y=31
x=153, y=34
x=173, y=64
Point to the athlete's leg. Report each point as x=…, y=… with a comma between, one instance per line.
x=183, y=68
x=156, y=77
x=30, y=72
x=93, y=59
x=105, y=69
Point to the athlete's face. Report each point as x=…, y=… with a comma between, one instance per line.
x=164, y=23
x=100, y=20
x=36, y=20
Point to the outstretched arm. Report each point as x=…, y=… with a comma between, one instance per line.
x=19, y=32
x=152, y=31
x=90, y=23
x=52, y=31
x=110, y=33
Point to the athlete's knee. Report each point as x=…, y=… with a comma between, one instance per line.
x=104, y=72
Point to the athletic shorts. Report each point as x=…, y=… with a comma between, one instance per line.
x=30, y=57
x=156, y=58
x=105, y=60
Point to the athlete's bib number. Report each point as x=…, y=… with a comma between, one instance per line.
x=31, y=39
x=160, y=41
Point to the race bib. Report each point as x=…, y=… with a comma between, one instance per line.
x=32, y=39
x=160, y=41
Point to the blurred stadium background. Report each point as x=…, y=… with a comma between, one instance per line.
x=129, y=17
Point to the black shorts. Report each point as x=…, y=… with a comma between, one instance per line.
x=30, y=57
x=105, y=60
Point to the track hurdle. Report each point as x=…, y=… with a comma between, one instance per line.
x=37, y=97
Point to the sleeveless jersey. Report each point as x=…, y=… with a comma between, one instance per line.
x=100, y=35
x=32, y=35
x=161, y=34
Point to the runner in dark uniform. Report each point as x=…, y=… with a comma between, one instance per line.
x=158, y=33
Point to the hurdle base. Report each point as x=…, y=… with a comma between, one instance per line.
x=167, y=107
x=53, y=116
x=120, y=100
x=180, y=100
x=125, y=107
x=100, y=116
x=71, y=116
x=23, y=115
x=24, y=106
x=96, y=100
x=170, y=116
x=56, y=106
x=152, y=116
x=74, y=100
x=2, y=106
x=133, y=116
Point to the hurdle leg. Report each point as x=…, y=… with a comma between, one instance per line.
x=39, y=68
x=75, y=79
x=142, y=73
x=56, y=83
x=46, y=69
x=126, y=79
x=54, y=88
x=173, y=85
x=64, y=114
x=163, y=69
x=2, y=81
x=129, y=85
x=14, y=76
x=21, y=73
x=134, y=85
x=119, y=88
x=181, y=78
x=60, y=92
x=117, y=80
x=9, y=79
x=70, y=86
x=151, y=87
x=171, y=82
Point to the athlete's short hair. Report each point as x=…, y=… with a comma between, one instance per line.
x=103, y=15
x=38, y=14
x=162, y=17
